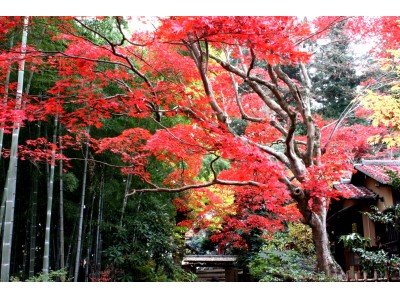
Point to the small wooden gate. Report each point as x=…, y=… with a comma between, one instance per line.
x=212, y=267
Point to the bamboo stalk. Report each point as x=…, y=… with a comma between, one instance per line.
x=61, y=209
x=10, y=187
x=127, y=186
x=97, y=262
x=80, y=227
x=6, y=85
x=46, y=255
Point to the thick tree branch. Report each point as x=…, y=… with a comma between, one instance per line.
x=253, y=82
x=306, y=76
x=239, y=98
x=252, y=63
x=278, y=126
x=197, y=56
x=212, y=166
x=278, y=155
x=281, y=107
x=272, y=75
x=305, y=110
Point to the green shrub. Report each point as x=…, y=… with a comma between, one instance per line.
x=289, y=256
x=58, y=275
x=286, y=265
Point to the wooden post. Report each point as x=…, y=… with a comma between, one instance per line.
x=231, y=275
x=387, y=274
x=352, y=272
x=357, y=275
x=375, y=275
x=365, y=275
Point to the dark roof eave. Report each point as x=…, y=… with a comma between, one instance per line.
x=343, y=210
x=370, y=175
x=362, y=198
x=367, y=196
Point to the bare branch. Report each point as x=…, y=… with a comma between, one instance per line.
x=115, y=96
x=253, y=59
x=100, y=162
x=95, y=32
x=207, y=57
x=179, y=139
x=351, y=107
x=253, y=82
x=212, y=167
x=85, y=58
x=239, y=98
x=215, y=181
x=123, y=83
x=334, y=22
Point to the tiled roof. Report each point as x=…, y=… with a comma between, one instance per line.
x=351, y=191
x=377, y=169
x=209, y=259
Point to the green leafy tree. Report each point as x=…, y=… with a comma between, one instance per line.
x=143, y=248
x=334, y=74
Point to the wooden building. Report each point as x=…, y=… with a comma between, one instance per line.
x=369, y=185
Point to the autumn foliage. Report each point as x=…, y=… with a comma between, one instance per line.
x=194, y=79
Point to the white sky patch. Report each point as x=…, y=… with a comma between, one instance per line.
x=147, y=24
x=361, y=55
x=199, y=8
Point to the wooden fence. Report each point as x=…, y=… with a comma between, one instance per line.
x=358, y=276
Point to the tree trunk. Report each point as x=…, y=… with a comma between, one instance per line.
x=317, y=221
x=325, y=260
x=3, y=209
x=61, y=217
x=97, y=257
x=89, y=241
x=68, y=265
x=46, y=254
x=10, y=186
x=127, y=187
x=33, y=229
x=25, y=250
x=80, y=226
x=33, y=216
x=27, y=89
